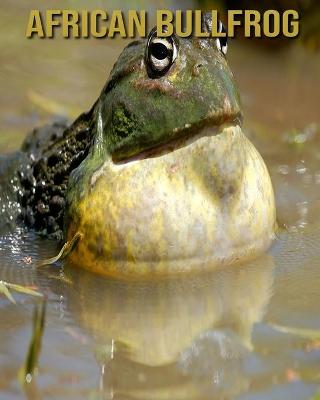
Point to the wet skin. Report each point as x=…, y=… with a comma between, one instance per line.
x=166, y=181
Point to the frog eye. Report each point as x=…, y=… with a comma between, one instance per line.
x=160, y=54
x=222, y=42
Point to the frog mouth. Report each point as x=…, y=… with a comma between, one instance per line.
x=186, y=136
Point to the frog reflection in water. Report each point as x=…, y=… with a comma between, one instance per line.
x=187, y=338
x=158, y=177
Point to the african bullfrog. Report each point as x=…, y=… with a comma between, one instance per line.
x=158, y=176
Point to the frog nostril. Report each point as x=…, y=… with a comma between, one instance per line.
x=195, y=69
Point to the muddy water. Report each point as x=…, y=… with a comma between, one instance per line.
x=247, y=333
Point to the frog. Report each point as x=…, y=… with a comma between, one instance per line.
x=158, y=177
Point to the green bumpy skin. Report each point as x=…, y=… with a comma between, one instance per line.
x=170, y=184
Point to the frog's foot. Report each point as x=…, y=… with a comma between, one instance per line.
x=6, y=286
x=64, y=252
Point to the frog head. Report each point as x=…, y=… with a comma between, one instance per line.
x=164, y=89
